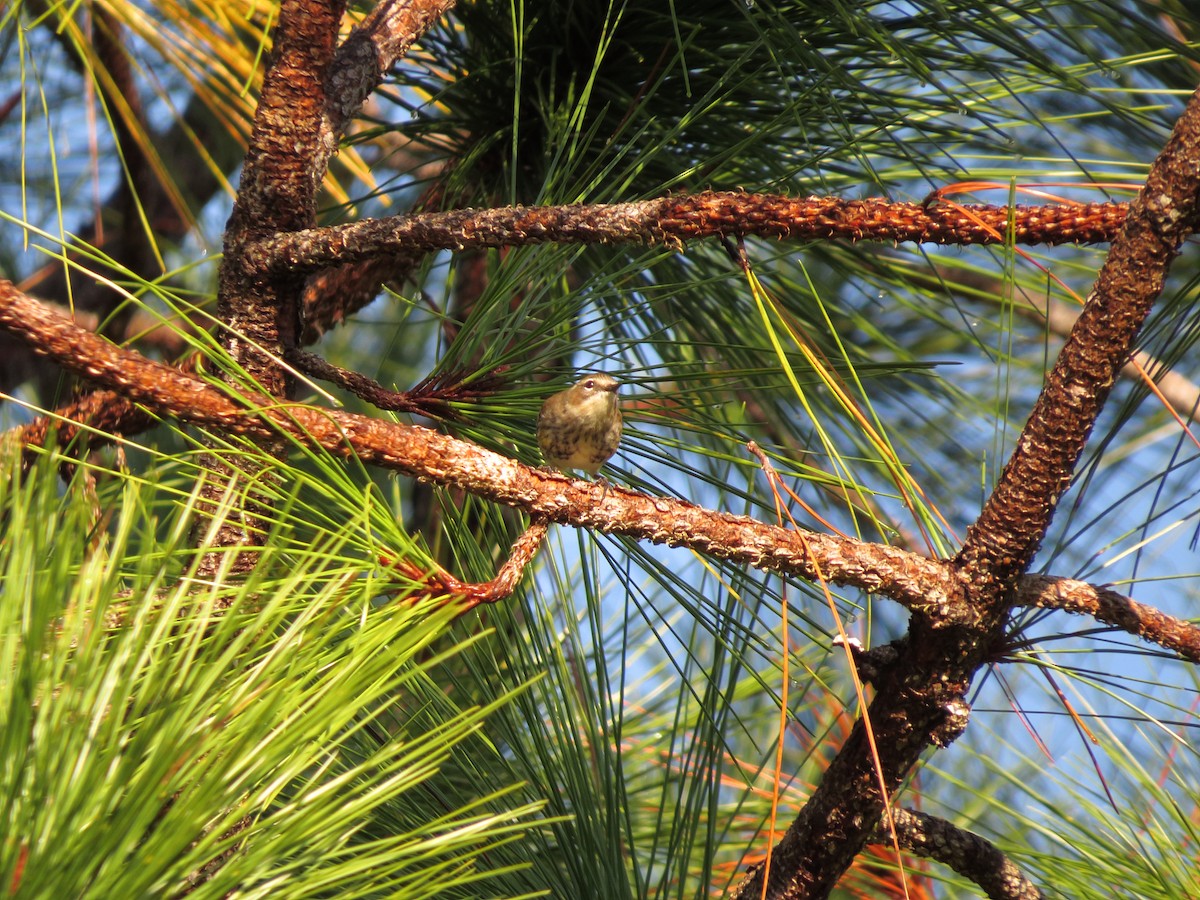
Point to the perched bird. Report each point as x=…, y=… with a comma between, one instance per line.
x=579, y=428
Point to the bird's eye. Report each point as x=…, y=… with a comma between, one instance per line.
x=589, y=383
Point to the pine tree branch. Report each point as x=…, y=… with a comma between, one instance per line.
x=926, y=706
x=467, y=595
x=282, y=172
x=333, y=294
x=370, y=51
x=280, y=177
x=140, y=386
x=675, y=219
x=966, y=853
x=921, y=584
x=307, y=97
x=1014, y=520
x=1112, y=608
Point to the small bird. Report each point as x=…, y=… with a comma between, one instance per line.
x=579, y=428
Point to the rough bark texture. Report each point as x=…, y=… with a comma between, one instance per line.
x=924, y=703
x=278, y=190
x=428, y=454
x=1014, y=520
x=260, y=317
x=959, y=607
x=922, y=585
x=673, y=220
x=964, y=852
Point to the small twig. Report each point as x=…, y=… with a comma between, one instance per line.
x=469, y=594
x=432, y=397
x=776, y=482
x=94, y=420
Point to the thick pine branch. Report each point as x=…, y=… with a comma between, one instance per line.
x=143, y=389
x=963, y=851
x=923, y=703
x=916, y=581
x=1002, y=542
x=281, y=174
x=369, y=52
x=278, y=190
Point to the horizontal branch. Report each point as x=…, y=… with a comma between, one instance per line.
x=672, y=220
x=921, y=584
x=1146, y=622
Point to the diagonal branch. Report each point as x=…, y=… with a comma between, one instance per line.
x=369, y=51
x=963, y=851
x=1002, y=542
x=927, y=705
x=922, y=584
x=673, y=220
x=143, y=385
